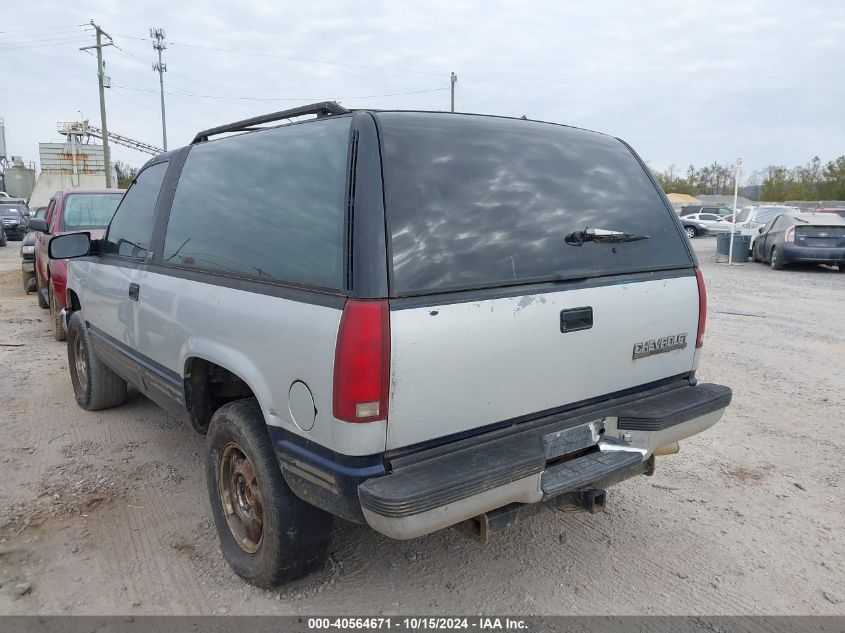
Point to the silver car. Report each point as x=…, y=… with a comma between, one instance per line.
x=410, y=320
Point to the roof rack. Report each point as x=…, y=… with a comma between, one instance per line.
x=326, y=108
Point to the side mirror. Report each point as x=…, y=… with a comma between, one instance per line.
x=38, y=224
x=760, y=230
x=69, y=246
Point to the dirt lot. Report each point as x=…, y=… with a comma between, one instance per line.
x=107, y=513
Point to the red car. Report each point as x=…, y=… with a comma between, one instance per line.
x=68, y=211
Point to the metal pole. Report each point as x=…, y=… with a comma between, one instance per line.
x=453, y=79
x=736, y=196
x=159, y=45
x=100, y=80
x=103, y=124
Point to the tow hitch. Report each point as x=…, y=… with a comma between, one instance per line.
x=482, y=527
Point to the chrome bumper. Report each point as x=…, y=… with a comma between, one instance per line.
x=64, y=315
x=531, y=466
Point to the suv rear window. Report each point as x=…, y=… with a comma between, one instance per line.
x=266, y=204
x=477, y=201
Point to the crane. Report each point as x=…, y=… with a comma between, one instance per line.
x=83, y=128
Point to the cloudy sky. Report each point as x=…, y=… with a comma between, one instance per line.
x=683, y=82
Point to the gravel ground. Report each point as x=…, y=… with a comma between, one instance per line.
x=106, y=513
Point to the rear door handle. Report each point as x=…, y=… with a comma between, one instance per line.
x=576, y=319
x=134, y=291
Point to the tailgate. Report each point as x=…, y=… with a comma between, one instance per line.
x=460, y=366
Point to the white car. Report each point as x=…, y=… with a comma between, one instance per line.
x=752, y=218
x=714, y=223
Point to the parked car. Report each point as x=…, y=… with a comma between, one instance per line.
x=412, y=328
x=14, y=215
x=28, y=254
x=713, y=222
x=694, y=228
x=68, y=210
x=840, y=211
x=806, y=238
x=692, y=209
x=751, y=218
x=28, y=262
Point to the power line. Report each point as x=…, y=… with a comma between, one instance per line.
x=175, y=74
x=45, y=43
x=120, y=94
x=21, y=38
x=191, y=94
x=43, y=28
x=289, y=58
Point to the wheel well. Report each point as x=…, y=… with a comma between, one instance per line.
x=208, y=387
x=73, y=301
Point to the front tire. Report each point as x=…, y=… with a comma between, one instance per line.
x=56, y=317
x=775, y=260
x=267, y=534
x=95, y=385
x=691, y=232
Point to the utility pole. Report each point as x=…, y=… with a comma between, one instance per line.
x=101, y=77
x=453, y=80
x=736, y=197
x=159, y=45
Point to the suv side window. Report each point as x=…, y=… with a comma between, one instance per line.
x=132, y=225
x=266, y=205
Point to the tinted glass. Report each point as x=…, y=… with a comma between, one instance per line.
x=132, y=227
x=709, y=217
x=268, y=204
x=481, y=201
x=89, y=210
x=764, y=214
x=12, y=211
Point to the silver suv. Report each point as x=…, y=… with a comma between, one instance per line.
x=410, y=320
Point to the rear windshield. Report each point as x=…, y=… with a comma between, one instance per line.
x=12, y=211
x=89, y=210
x=478, y=202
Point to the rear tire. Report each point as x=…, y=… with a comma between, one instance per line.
x=42, y=302
x=95, y=385
x=56, y=317
x=691, y=231
x=775, y=260
x=268, y=535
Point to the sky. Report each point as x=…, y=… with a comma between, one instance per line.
x=682, y=82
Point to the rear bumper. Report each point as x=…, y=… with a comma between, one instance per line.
x=821, y=255
x=581, y=451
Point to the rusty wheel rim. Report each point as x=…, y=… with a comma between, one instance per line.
x=241, y=498
x=80, y=364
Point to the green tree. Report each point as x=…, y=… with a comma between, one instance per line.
x=125, y=174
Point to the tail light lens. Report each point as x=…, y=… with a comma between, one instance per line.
x=789, y=236
x=362, y=362
x=702, y=308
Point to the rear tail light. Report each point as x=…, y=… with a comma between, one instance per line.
x=702, y=308
x=362, y=362
x=789, y=236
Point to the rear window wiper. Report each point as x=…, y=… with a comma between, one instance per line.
x=577, y=238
